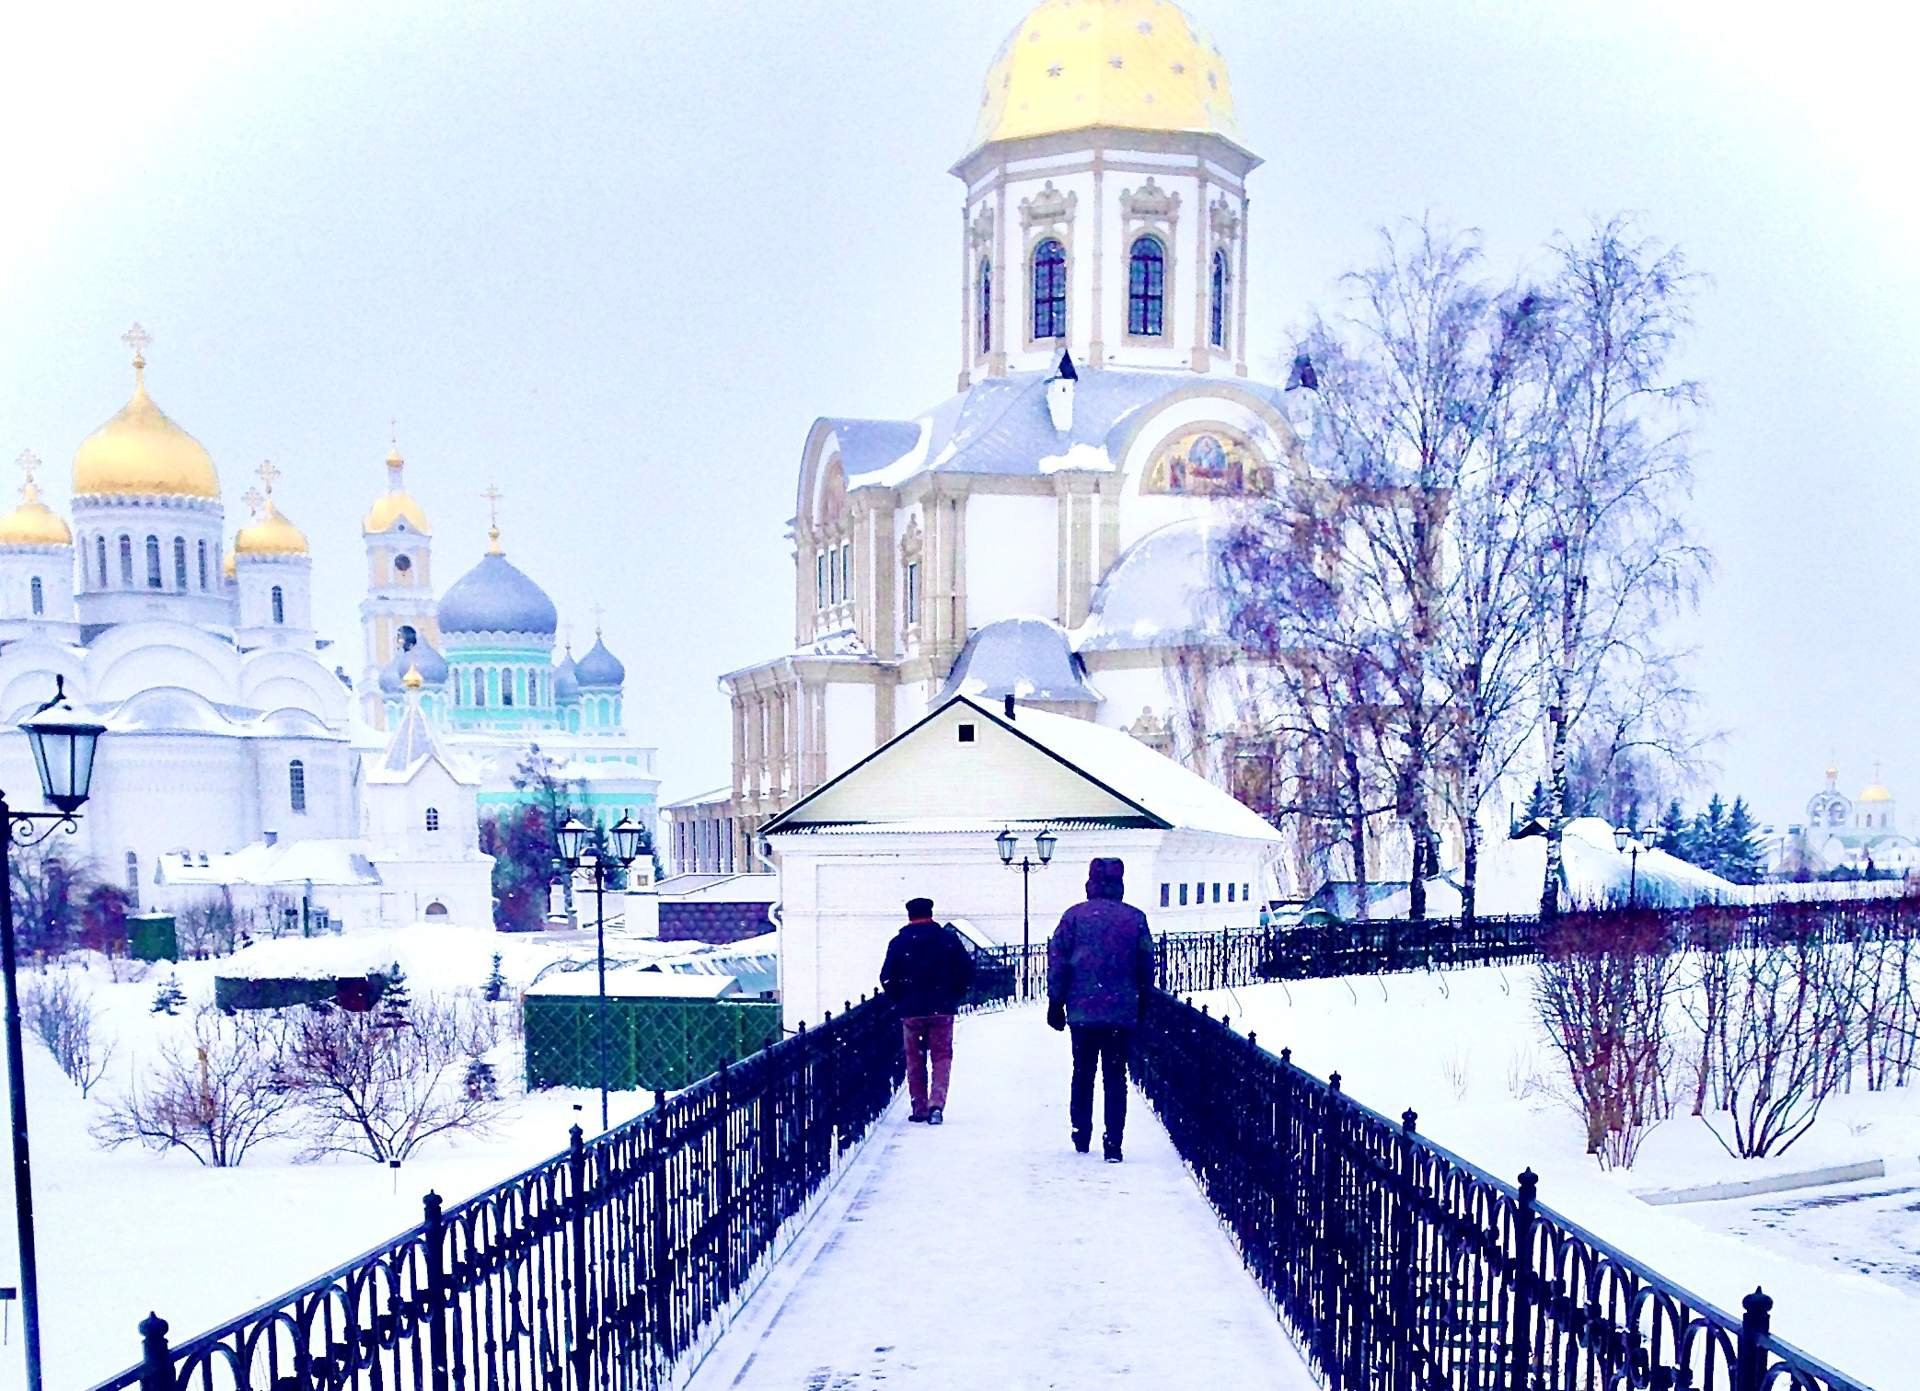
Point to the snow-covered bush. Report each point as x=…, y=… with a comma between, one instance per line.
x=1603, y=993
x=215, y=1094
x=370, y=1087
x=57, y=1008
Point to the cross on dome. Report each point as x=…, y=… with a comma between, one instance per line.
x=28, y=463
x=138, y=339
x=599, y=612
x=267, y=474
x=493, y=495
x=255, y=500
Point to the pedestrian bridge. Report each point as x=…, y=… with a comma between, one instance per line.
x=985, y=1252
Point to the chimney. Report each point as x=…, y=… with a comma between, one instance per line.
x=1009, y=707
x=1060, y=394
x=270, y=837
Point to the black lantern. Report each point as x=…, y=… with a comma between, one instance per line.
x=627, y=836
x=573, y=840
x=1006, y=843
x=1044, y=843
x=1621, y=835
x=63, y=745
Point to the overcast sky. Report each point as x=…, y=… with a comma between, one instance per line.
x=617, y=257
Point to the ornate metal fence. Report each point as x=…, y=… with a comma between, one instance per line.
x=600, y=1268
x=1399, y=1266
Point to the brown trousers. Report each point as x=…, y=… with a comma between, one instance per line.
x=929, y=1039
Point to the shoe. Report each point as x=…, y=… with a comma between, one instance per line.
x=1113, y=1156
x=1082, y=1144
x=917, y=1118
x=1111, y=1148
x=936, y=1116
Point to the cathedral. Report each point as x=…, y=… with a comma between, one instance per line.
x=241, y=759
x=1856, y=834
x=1049, y=532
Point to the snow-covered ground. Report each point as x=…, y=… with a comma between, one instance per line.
x=1465, y=1050
x=124, y=1232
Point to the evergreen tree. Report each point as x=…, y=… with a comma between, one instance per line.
x=1539, y=804
x=1707, y=842
x=169, y=997
x=495, y=989
x=1673, y=830
x=395, y=1000
x=1743, y=860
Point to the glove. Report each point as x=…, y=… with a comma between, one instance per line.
x=1056, y=1014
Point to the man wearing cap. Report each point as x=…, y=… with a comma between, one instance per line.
x=926, y=975
x=1099, y=967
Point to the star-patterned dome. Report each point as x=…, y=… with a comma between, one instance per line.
x=1122, y=64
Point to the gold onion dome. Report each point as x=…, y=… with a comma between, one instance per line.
x=33, y=523
x=142, y=453
x=269, y=533
x=1121, y=64
x=1876, y=792
x=396, y=504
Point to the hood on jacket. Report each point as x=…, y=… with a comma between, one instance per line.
x=1105, y=879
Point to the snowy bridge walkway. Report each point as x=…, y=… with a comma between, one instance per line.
x=986, y=1252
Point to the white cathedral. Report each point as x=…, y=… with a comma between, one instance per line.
x=1048, y=533
x=239, y=760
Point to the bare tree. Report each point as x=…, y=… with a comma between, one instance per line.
x=1603, y=993
x=215, y=1094
x=381, y=1088
x=207, y=928
x=59, y=1010
x=1614, y=556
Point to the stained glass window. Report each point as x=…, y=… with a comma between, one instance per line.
x=1050, y=289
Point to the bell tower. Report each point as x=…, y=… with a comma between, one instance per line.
x=400, y=609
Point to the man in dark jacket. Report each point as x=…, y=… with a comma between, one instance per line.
x=926, y=975
x=1099, y=965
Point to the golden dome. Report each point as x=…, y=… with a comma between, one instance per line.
x=273, y=534
x=1127, y=64
x=413, y=680
x=1875, y=792
x=143, y=453
x=395, y=504
x=33, y=523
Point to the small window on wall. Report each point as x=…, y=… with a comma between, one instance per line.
x=820, y=580
x=133, y=879
x=407, y=637
x=1230, y=889
x=966, y=734
x=1246, y=892
x=403, y=563
x=297, y=785
x=1166, y=893
x=100, y=554
x=506, y=686
x=1216, y=893
x=433, y=818
x=1050, y=289
x=1217, y=327
x=1199, y=893
x=1183, y=893
x=986, y=306
x=846, y=572
x=1147, y=289
x=153, y=563
x=39, y=598
x=126, y=561
x=279, y=605
x=913, y=593
x=203, y=564
x=180, y=563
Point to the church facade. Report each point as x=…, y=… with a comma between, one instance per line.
x=1050, y=531
x=1847, y=833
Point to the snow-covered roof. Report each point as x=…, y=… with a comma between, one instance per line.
x=1028, y=658
x=1164, y=591
x=1001, y=425
x=630, y=981
x=410, y=747
x=176, y=710
x=286, y=863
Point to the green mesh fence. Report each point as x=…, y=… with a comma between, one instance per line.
x=651, y=1043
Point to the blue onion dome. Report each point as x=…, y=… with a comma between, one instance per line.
x=421, y=656
x=496, y=596
x=566, y=681
x=600, y=669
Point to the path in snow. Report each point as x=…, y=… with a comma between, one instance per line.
x=1872, y=1226
x=987, y=1253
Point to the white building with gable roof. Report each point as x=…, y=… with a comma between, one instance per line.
x=919, y=816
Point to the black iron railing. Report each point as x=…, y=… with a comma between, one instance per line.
x=1398, y=1265
x=602, y=1267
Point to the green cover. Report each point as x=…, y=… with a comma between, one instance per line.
x=150, y=937
x=651, y=1043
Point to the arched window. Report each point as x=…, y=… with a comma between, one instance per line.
x=126, y=561
x=986, y=305
x=401, y=565
x=133, y=879
x=180, y=563
x=480, y=689
x=433, y=818
x=1147, y=288
x=153, y=562
x=100, y=554
x=297, y=785
x=1050, y=289
x=520, y=685
x=407, y=636
x=279, y=605
x=203, y=564
x=1218, y=327
x=39, y=598
x=506, y=686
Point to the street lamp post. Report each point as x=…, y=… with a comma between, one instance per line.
x=627, y=836
x=1007, y=843
x=1622, y=838
x=63, y=745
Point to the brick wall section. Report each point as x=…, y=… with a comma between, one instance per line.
x=718, y=923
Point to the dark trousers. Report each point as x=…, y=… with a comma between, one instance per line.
x=929, y=1039
x=1103, y=1046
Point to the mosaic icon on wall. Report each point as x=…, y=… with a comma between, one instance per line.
x=1206, y=463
